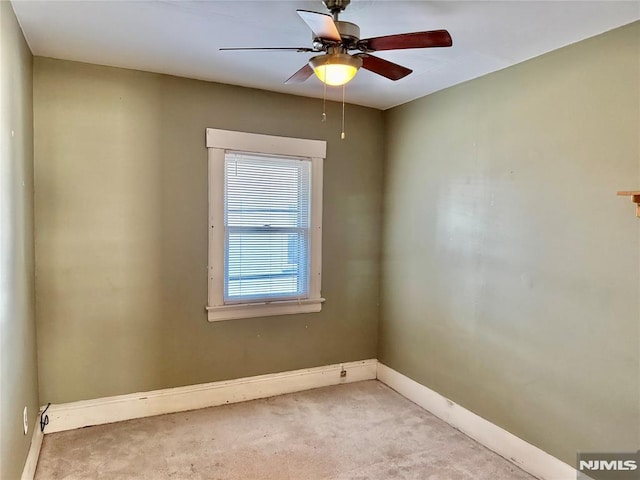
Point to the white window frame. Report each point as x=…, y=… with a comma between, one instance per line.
x=218, y=142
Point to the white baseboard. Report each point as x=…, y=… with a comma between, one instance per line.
x=526, y=456
x=29, y=470
x=68, y=416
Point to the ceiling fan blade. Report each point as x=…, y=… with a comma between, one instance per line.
x=301, y=75
x=433, y=38
x=383, y=67
x=292, y=49
x=321, y=24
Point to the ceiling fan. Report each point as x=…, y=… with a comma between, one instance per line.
x=334, y=39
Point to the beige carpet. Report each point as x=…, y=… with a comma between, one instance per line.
x=355, y=431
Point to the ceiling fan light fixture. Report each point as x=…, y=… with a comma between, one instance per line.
x=335, y=69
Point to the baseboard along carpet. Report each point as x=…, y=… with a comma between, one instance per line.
x=361, y=430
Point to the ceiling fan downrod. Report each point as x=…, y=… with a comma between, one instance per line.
x=336, y=6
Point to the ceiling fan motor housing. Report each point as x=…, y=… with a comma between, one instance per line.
x=349, y=32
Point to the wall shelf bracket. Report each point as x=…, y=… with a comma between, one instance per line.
x=635, y=198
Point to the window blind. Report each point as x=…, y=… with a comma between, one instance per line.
x=267, y=222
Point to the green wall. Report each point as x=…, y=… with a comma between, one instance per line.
x=510, y=268
x=18, y=373
x=121, y=243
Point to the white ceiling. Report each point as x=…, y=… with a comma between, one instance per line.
x=183, y=37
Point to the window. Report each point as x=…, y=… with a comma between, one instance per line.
x=265, y=215
x=267, y=223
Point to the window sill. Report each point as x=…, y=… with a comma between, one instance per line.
x=250, y=310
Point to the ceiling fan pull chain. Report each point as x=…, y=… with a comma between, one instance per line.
x=324, y=102
x=344, y=87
